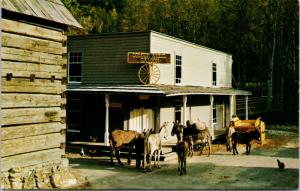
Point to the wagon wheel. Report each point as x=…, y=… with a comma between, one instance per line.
x=149, y=74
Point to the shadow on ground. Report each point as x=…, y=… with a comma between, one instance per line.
x=277, y=152
x=227, y=172
x=199, y=176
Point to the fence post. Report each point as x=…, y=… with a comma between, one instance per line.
x=246, y=97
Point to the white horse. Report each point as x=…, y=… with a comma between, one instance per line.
x=153, y=146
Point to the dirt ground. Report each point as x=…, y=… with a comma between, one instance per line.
x=221, y=170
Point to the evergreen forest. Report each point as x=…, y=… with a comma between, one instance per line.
x=261, y=35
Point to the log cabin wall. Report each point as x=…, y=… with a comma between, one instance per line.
x=33, y=100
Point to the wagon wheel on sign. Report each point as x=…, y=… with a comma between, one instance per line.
x=149, y=74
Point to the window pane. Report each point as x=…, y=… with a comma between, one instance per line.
x=178, y=72
x=79, y=58
x=214, y=67
x=75, y=70
x=177, y=116
x=214, y=76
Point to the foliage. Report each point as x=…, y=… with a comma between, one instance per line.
x=262, y=35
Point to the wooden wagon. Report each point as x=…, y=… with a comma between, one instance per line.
x=250, y=125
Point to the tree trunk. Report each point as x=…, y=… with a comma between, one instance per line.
x=271, y=63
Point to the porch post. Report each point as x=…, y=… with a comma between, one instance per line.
x=246, y=107
x=212, y=117
x=184, y=100
x=157, y=116
x=231, y=101
x=106, y=134
x=223, y=115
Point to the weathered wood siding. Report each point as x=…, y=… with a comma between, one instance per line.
x=105, y=59
x=33, y=106
x=196, y=62
x=105, y=56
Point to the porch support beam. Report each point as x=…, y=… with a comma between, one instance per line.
x=106, y=134
x=157, y=116
x=212, y=117
x=184, y=101
x=223, y=115
x=246, y=100
x=232, y=106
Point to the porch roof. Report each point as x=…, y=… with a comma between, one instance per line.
x=172, y=90
x=167, y=90
x=140, y=89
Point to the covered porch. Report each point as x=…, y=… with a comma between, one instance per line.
x=124, y=107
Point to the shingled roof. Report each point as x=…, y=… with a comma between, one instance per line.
x=53, y=10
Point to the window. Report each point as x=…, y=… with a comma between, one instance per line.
x=74, y=115
x=214, y=113
x=178, y=69
x=214, y=74
x=178, y=110
x=75, y=62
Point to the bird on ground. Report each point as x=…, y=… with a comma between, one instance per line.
x=82, y=152
x=280, y=164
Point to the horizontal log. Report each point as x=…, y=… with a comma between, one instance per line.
x=20, y=55
x=30, y=144
x=32, y=115
x=24, y=85
x=10, y=100
x=30, y=130
x=21, y=69
x=32, y=30
x=30, y=159
x=30, y=43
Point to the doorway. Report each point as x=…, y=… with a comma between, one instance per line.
x=141, y=119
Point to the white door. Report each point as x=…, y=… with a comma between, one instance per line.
x=141, y=119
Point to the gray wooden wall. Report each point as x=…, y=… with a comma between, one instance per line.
x=33, y=106
x=105, y=56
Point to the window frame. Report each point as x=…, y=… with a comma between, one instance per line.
x=214, y=114
x=178, y=64
x=72, y=63
x=177, y=110
x=214, y=74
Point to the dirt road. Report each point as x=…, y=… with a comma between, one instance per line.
x=221, y=170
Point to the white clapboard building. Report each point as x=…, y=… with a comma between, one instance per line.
x=140, y=80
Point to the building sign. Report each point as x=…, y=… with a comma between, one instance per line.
x=150, y=58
